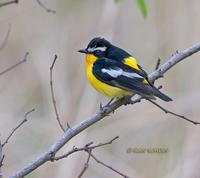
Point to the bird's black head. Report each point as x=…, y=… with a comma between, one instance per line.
x=97, y=46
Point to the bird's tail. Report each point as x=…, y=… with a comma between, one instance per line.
x=160, y=95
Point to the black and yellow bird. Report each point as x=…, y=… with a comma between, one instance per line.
x=115, y=73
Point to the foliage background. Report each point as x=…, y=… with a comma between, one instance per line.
x=169, y=26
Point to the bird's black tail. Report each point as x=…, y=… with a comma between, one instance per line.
x=160, y=95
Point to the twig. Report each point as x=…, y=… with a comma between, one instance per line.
x=17, y=127
x=78, y=128
x=157, y=64
x=163, y=109
x=176, y=58
x=6, y=37
x=45, y=8
x=86, y=147
x=106, y=165
x=15, y=65
x=52, y=94
x=172, y=113
x=1, y=161
x=86, y=165
x=8, y=3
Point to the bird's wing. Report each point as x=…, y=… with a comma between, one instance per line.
x=143, y=72
x=120, y=75
x=131, y=61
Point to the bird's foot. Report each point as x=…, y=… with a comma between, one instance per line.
x=127, y=100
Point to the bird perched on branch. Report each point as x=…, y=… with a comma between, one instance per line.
x=115, y=73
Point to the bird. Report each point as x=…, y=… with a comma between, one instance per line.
x=115, y=73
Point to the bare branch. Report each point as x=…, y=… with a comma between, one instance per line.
x=109, y=167
x=17, y=127
x=86, y=147
x=73, y=131
x=6, y=37
x=53, y=96
x=86, y=165
x=172, y=113
x=157, y=64
x=15, y=65
x=8, y=3
x=176, y=58
x=1, y=160
x=45, y=8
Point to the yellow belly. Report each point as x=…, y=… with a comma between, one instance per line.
x=106, y=89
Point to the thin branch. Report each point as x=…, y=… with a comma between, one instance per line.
x=78, y=128
x=108, y=166
x=176, y=58
x=3, y=44
x=86, y=147
x=53, y=95
x=8, y=3
x=158, y=64
x=86, y=165
x=17, y=127
x=1, y=161
x=45, y=8
x=89, y=150
x=15, y=65
x=172, y=113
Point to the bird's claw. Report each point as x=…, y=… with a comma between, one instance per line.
x=127, y=100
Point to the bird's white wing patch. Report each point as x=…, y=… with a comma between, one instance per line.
x=113, y=72
x=119, y=72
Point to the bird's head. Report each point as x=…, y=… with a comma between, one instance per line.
x=97, y=46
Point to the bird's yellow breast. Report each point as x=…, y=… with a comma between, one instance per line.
x=104, y=88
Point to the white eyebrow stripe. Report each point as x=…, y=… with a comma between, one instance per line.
x=103, y=48
x=119, y=72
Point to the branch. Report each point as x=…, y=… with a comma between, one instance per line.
x=53, y=96
x=1, y=160
x=163, y=109
x=85, y=148
x=8, y=3
x=45, y=8
x=106, y=165
x=172, y=113
x=176, y=58
x=17, y=127
x=75, y=130
x=86, y=165
x=89, y=150
x=6, y=38
x=158, y=64
x=15, y=65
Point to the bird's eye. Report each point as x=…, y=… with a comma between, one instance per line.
x=98, y=52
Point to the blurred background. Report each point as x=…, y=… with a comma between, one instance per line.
x=169, y=26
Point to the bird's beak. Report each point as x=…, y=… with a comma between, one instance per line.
x=83, y=51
